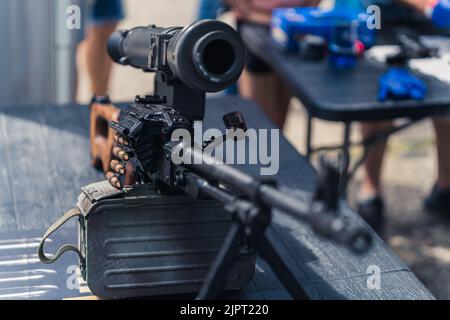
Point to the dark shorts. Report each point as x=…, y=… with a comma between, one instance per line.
x=252, y=63
x=104, y=11
x=97, y=13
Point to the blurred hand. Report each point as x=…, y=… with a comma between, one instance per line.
x=260, y=11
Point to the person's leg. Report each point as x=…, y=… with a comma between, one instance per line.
x=370, y=199
x=442, y=129
x=260, y=83
x=439, y=199
x=104, y=16
x=371, y=186
x=284, y=99
x=269, y=92
x=98, y=62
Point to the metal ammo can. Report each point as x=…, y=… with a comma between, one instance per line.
x=138, y=243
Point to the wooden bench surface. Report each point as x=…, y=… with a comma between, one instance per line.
x=44, y=161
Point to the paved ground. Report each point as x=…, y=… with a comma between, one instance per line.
x=420, y=239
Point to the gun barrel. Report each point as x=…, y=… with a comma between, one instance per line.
x=331, y=226
x=207, y=56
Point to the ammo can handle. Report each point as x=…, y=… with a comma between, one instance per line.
x=68, y=247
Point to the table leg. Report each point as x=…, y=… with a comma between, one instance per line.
x=309, y=136
x=345, y=163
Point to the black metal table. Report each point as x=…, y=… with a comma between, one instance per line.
x=44, y=156
x=345, y=96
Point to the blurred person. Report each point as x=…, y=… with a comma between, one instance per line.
x=258, y=81
x=102, y=19
x=429, y=16
x=208, y=9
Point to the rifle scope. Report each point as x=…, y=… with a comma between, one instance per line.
x=207, y=55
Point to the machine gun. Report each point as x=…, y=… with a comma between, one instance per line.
x=144, y=238
x=207, y=57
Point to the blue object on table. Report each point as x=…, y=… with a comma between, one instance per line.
x=400, y=83
x=344, y=28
